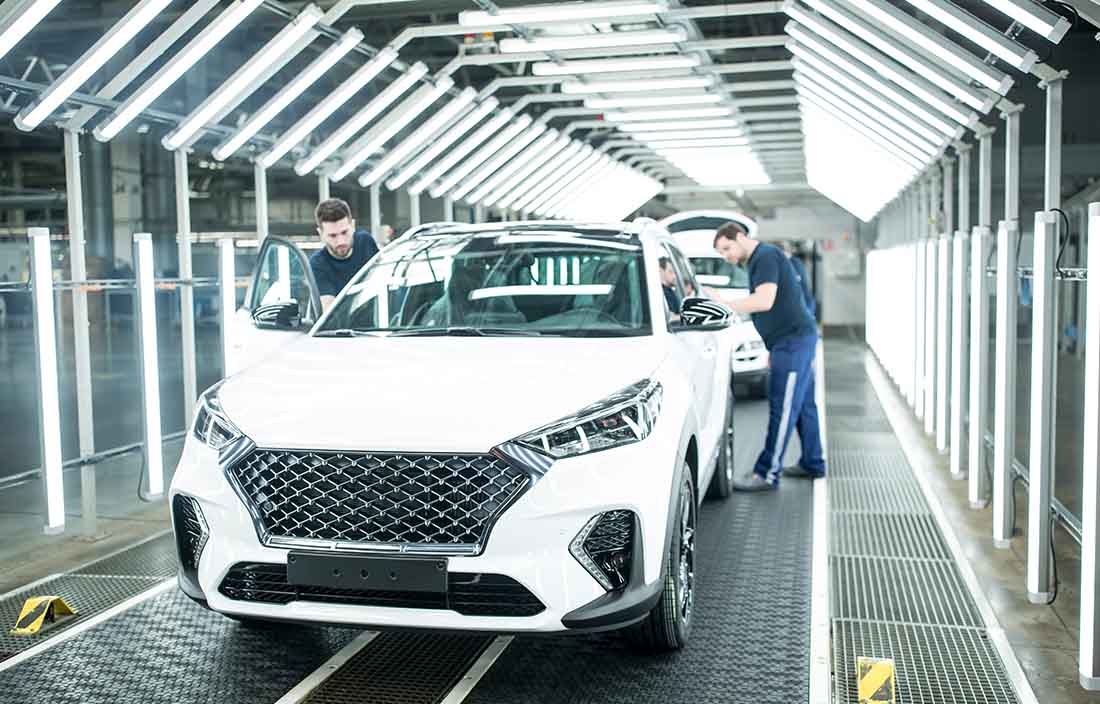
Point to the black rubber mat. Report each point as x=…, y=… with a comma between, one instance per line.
x=153, y=558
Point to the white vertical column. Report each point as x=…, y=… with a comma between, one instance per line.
x=963, y=151
x=227, y=295
x=145, y=308
x=1012, y=164
x=448, y=209
x=931, y=298
x=1041, y=455
x=960, y=349
x=414, y=209
x=943, y=340
x=375, y=209
x=261, y=202
x=45, y=357
x=324, y=187
x=479, y=213
x=978, y=489
x=1089, y=660
x=921, y=306
x=187, y=293
x=1004, y=402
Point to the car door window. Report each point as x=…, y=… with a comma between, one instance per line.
x=686, y=272
x=282, y=275
x=678, y=291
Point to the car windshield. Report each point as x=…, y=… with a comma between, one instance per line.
x=519, y=282
x=718, y=273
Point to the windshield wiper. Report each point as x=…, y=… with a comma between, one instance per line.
x=345, y=332
x=463, y=331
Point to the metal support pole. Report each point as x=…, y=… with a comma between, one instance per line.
x=985, y=177
x=922, y=267
x=414, y=209
x=187, y=292
x=978, y=489
x=943, y=338
x=931, y=298
x=227, y=295
x=324, y=187
x=963, y=151
x=376, y=209
x=448, y=209
x=960, y=349
x=1052, y=191
x=145, y=310
x=1004, y=403
x=1041, y=456
x=948, y=190
x=261, y=202
x=1012, y=164
x=1089, y=661
x=479, y=213
x=49, y=403
x=74, y=202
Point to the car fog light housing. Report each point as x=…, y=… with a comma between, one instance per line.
x=211, y=425
x=622, y=418
x=192, y=534
x=605, y=548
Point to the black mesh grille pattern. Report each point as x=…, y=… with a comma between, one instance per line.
x=190, y=528
x=378, y=498
x=614, y=532
x=468, y=594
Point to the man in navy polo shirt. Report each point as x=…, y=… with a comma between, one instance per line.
x=790, y=334
x=345, y=252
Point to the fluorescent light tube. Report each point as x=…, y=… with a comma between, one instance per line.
x=490, y=148
x=23, y=16
x=89, y=62
x=201, y=45
x=719, y=142
x=1035, y=17
x=653, y=101
x=243, y=78
x=374, y=107
x=518, y=163
x=641, y=63
x=557, y=12
x=494, y=164
x=977, y=31
x=555, y=181
x=653, y=115
x=437, y=147
x=369, y=144
x=592, y=41
x=288, y=93
x=418, y=138
x=688, y=134
x=633, y=86
x=330, y=104
x=553, y=169
x=636, y=127
x=538, y=159
x=492, y=128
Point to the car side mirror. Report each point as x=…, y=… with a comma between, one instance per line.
x=704, y=314
x=284, y=315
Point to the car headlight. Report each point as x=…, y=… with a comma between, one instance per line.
x=211, y=425
x=620, y=419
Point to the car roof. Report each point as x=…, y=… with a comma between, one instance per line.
x=643, y=228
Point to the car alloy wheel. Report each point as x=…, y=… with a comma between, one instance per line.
x=686, y=585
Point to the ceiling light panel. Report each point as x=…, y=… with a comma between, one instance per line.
x=22, y=16
x=656, y=115
x=593, y=41
x=559, y=12
x=634, y=86
x=653, y=101
x=640, y=63
x=438, y=146
x=491, y=129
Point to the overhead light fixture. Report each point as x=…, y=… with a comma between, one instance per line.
x=912, y=29
x=369, y=144
x=497, y=160
x=633, y=86
x=654, y=115
x=666, y=135
x=556, y=196
x=554, y=168
x=535, y=152
x=536, y=200
x=243, y=77
x=640, y=63
x=491, y=129
x=688, y=143
x=328, y=105
x=596, y=40
x=653, y=101
x=89, y=62
x=22, y=17
x=493, y=146
x=287, y=94
x=437, y=147
x=977, y=31
x=556, y=12
x=885, y=142
x=418, y=138
x=201, y=45
x=504, y=187
x=1035, y=17
x=663, y=126
x=359, y=121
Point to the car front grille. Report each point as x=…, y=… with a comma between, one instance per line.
x=468, y=594
x=450, y=501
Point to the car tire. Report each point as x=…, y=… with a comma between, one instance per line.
x=721, y=482
x=668, y=625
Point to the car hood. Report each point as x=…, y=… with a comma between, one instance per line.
x=427, y=394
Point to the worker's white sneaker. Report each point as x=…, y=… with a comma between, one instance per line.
x=754, y=482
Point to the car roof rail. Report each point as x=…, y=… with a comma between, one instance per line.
x=430, y=227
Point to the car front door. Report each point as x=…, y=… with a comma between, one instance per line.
x=281, y=306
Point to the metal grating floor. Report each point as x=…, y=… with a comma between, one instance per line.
x=895, y=590
x=153, y=558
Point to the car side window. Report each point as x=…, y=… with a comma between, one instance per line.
x=280, y=276
x=687, y=273
x=674, y=291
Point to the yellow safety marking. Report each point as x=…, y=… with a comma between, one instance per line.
x=876, y=680
x=38, y=611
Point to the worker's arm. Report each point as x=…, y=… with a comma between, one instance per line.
x=760, y=300
x=326, y=302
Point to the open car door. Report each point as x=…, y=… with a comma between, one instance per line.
x=281, y=305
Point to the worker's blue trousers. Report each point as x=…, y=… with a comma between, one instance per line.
x=791, y=396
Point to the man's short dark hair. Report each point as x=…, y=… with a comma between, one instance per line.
x=665, y=262
x=729, y=231
x=332, y=210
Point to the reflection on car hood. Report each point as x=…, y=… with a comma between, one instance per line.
x=427, y=394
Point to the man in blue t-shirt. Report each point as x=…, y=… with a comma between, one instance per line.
x=790, y=334
x=345, y=252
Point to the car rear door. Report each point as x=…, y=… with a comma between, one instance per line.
x=282, y=276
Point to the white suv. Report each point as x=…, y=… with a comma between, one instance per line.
x=495, y=428
x=693, y=231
